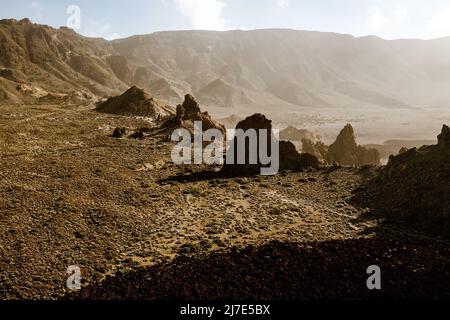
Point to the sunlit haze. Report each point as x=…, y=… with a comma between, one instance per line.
x=114, y=19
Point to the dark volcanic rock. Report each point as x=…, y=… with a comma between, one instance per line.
x=444, y=137
x=256, y=122
x=288, y=271
x=289, y=158
x=119, y=132
x=190, y=105
x=345, y=151
x=188, y=113
x=414, y=188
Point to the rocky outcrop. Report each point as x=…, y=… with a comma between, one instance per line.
x=135, y=102
x=444, y=138
x=345, y=151
x=256, y=122
x=317, y=149
x=289, y=158
x=414, y=188
x=190, y=112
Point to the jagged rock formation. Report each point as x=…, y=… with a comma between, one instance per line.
x=289, y=158
x=317, y=149
x=189, y=112
x=444, y=138
x=134, y=102
x=414, y=188
x=345, y=151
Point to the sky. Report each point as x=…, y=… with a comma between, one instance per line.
x=111, y=19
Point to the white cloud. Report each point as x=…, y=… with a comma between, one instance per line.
x=376, y=19
x=282, y=3
x=203, y=14
x=439, y=25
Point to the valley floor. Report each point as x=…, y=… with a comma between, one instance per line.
x=72, y=195
x=372, y=125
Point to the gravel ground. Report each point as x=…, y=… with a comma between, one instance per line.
x=286, y=271
x=72, y=195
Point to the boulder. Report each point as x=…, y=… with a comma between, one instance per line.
x=119, y=132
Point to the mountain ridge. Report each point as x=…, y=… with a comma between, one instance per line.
x=273, y=68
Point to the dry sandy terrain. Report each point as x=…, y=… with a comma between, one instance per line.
x=72, y=195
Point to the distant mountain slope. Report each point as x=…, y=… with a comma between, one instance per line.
x=56, y=61
x=298, y=67
x=275, y=68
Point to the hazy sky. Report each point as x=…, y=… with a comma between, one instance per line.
x=389, y=19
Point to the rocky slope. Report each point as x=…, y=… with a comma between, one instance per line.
x=53, y=61
x=288, y=271
x=278, y=69
x=414, y=188
x=135, y=102
x=287, y=67
x=70, y=194
x=392, y=147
